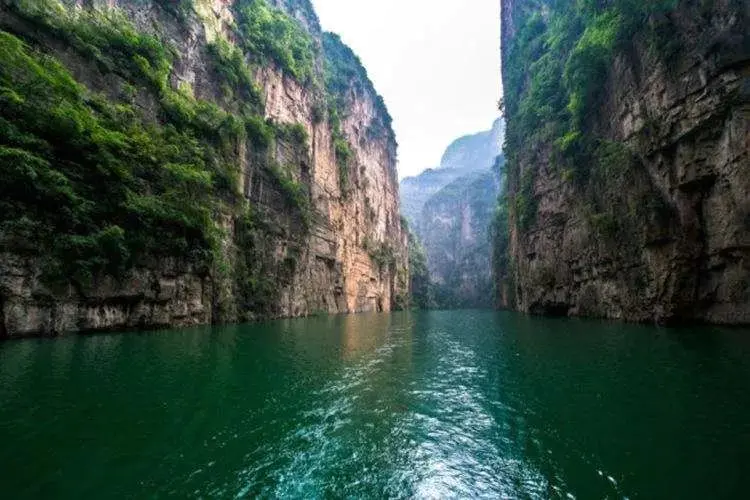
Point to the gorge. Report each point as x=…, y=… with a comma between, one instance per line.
x=172, y=163
x=220, y=180
x=450, y=209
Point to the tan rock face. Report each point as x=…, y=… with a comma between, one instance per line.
x=687, y=256
x=339, y=269
x=326, y=267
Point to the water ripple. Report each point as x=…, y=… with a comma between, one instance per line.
x=433, y=405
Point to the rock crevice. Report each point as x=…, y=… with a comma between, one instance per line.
x=291, y=244
x=662, y=234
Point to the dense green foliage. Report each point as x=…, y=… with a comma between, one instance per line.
x=556, y=70
x=554, y=73
x=553, y=76
x=269, y=33
x=556, y=63
x=98, y=186
x=229, y=63
x=95, y=185
x=109, y=160
x=106, y=37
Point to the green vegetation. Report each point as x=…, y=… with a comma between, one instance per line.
x=260, y=132
x=555, y=71
x=295, y=193
x=293, y=133
x=229, y=63
x=89, y=182
x=525, y=202
x=419, y=284
x=344, y=72
x=502, y=261
x=270, y=34
x=178, y=8
x=104, y=36
x=112, y=161
x=557, y=63
x=344, y=154
x=257, y=280
x=499, y=232
x=381, y=253
x=101, y=188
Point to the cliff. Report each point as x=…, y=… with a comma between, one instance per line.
x=168, y=163
x=455, y=231
x=628, y=159
x=451, y=210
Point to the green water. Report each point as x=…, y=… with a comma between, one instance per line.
x=441, y=404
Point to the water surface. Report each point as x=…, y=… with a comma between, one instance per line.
x=429, y=405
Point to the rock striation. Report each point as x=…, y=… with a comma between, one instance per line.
x=450, y=209
x=643, y=213
x=308, y=220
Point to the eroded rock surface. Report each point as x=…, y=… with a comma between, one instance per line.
x=324, y=264
x=450, y=209
x=670, y=239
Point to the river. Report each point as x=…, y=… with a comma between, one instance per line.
x=431, y=405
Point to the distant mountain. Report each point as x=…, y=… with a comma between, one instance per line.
x=470, y=153
x=450, y=209
x=455, y=230
x=477, y=151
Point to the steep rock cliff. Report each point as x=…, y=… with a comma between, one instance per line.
x=450, y=211
x=202, y=178
x=455, y=231
x=628, y=159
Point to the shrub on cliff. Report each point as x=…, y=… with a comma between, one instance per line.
x=95, y=185
x=90, y=181
x=553, y=74
x=267, y=32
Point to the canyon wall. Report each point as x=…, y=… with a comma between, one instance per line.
x=252, y=188
x=628, y=160
x=455, y=231
x=450, y=209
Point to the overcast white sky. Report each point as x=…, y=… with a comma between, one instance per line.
x=435, y=62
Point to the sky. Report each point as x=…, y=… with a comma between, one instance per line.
x=435, y=62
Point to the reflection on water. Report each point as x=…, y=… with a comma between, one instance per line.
x=360, y=337
x=432, y=405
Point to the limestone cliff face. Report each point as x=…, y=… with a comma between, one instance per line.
x=297, y=241
x=455, y=230
x=659, y=230
x=450, y=209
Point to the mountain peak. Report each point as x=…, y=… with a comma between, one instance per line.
x=476, y=151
